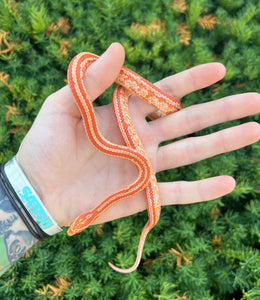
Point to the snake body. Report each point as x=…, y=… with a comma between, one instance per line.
x=129, y=83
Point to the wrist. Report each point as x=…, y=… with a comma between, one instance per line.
x=15, y=238
x=28, y=203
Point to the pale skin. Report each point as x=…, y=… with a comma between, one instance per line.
x=72, y=177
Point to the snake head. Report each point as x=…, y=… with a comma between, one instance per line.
x=80, y=223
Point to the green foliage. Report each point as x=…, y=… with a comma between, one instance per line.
x=200, y=251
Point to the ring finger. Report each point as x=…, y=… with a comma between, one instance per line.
x=194, y=149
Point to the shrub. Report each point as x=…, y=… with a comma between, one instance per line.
x=199, y=251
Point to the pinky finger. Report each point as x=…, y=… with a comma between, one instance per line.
x=173, y=193
x=183, y=192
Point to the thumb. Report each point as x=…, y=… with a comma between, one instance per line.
x=97, y=78
x=103, y=72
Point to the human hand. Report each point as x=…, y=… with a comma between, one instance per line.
x=72, y=177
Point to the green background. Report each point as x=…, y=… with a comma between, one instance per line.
x=3, y=258
x=220, y=239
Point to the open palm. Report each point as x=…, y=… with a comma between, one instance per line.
x=72, y=177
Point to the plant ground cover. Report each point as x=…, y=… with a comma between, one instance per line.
x=199, y=251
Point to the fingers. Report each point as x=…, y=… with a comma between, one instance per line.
x=192, y=79
x=173, y=193
x=200, y=116
x=194, y=149
x=185, y=82
x=183, y=192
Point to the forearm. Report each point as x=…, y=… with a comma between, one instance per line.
x=23, y=217
x=15, y=238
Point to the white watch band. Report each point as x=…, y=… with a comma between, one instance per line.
x=29, y=198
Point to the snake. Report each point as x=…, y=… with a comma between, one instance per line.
x=129, y=83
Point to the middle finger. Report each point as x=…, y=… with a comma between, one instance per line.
x=200, y=116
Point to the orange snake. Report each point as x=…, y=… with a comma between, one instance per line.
x=129, y=83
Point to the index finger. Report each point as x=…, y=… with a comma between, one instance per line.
x=183, y=83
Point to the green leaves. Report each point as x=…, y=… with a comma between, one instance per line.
x=220, y=239
x=195, y=8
